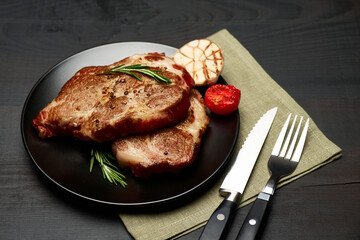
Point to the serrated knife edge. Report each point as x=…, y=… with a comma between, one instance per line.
x=238, y=176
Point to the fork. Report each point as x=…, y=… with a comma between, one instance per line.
x=281, y=163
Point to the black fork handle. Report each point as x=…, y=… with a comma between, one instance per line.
x=253, y=220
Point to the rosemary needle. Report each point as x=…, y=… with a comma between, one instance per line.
x=109, y=170
x=131, y=69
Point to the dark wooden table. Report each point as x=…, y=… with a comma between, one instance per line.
x=311, y=48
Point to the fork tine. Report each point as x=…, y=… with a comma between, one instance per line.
x=287, y=141
x=280, y=139
x=301, y=143
x=293, y=141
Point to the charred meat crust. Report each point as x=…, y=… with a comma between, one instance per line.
x=104, y=107
x=166, y=150
x=130, y=125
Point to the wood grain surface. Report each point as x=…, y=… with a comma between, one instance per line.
x=311, y=48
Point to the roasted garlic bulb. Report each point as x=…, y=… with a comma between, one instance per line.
x=203, y=59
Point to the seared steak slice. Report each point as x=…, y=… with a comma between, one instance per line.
x=91, y=106
x=165, y=150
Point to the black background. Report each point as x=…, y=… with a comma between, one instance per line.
x=311, y=48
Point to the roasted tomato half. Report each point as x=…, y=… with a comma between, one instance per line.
x=222, y=99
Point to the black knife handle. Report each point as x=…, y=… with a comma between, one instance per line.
x=219, y=220
x=252, y=222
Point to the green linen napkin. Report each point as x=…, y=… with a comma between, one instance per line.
x=259, y=94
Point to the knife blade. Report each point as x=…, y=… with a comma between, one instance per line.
x=236, y=179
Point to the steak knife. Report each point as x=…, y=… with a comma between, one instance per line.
x=236, y=179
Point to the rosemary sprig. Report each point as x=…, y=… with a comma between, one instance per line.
x=138, y=68
x=109, y=171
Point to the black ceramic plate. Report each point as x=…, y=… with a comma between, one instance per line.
x=65, y=161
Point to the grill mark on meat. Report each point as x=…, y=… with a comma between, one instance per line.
x=165, y=150
x=153, y=58
x=104, y=107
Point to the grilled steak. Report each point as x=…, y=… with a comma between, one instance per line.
x=93, y=106
x=165, y=150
